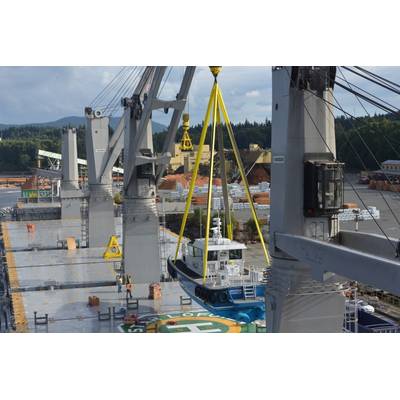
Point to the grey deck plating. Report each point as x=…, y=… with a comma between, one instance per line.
x=67, y=309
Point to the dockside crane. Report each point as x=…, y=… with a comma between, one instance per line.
x=143, y=170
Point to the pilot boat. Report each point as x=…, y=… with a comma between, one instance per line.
x=228, y=289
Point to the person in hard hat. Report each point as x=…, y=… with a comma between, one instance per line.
x=119, y=283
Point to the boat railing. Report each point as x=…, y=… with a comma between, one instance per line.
x=243, y=280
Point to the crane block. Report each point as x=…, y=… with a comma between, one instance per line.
x=113, y=249
x=186, y=142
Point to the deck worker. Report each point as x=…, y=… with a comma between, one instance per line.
x=128, y=287
x=119, y=283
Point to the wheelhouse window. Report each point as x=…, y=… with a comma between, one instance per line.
x=212, y=256
x=235, y=254
x=197, y=252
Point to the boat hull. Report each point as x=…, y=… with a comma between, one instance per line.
x=228, y=302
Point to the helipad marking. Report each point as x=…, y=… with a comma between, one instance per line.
x=190, y=322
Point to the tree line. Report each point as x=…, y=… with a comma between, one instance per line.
x=355, y=140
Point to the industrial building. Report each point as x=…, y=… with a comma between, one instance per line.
x=181, y=159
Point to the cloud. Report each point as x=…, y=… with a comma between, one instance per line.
x=253, y=93
x=39, y=94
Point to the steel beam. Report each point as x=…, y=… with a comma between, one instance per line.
x=323, y=257
x=176, y=117
x=116, y=145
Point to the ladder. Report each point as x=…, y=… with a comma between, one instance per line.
x=84, y=242
x=249, y=292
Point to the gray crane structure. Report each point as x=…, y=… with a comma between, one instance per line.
x=309, y=252
x=102, y=151
x=71, y=195
x=142, y=171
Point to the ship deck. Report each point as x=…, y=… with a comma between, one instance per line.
x=58, y=282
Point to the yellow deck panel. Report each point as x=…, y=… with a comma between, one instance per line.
x=16, y=298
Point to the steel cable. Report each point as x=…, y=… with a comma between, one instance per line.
x=346, y=179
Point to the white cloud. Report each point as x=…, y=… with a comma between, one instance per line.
x=253, y=93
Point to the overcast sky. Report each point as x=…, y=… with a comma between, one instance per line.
x=40, y=94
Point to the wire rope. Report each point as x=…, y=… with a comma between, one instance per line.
x=346, y=179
